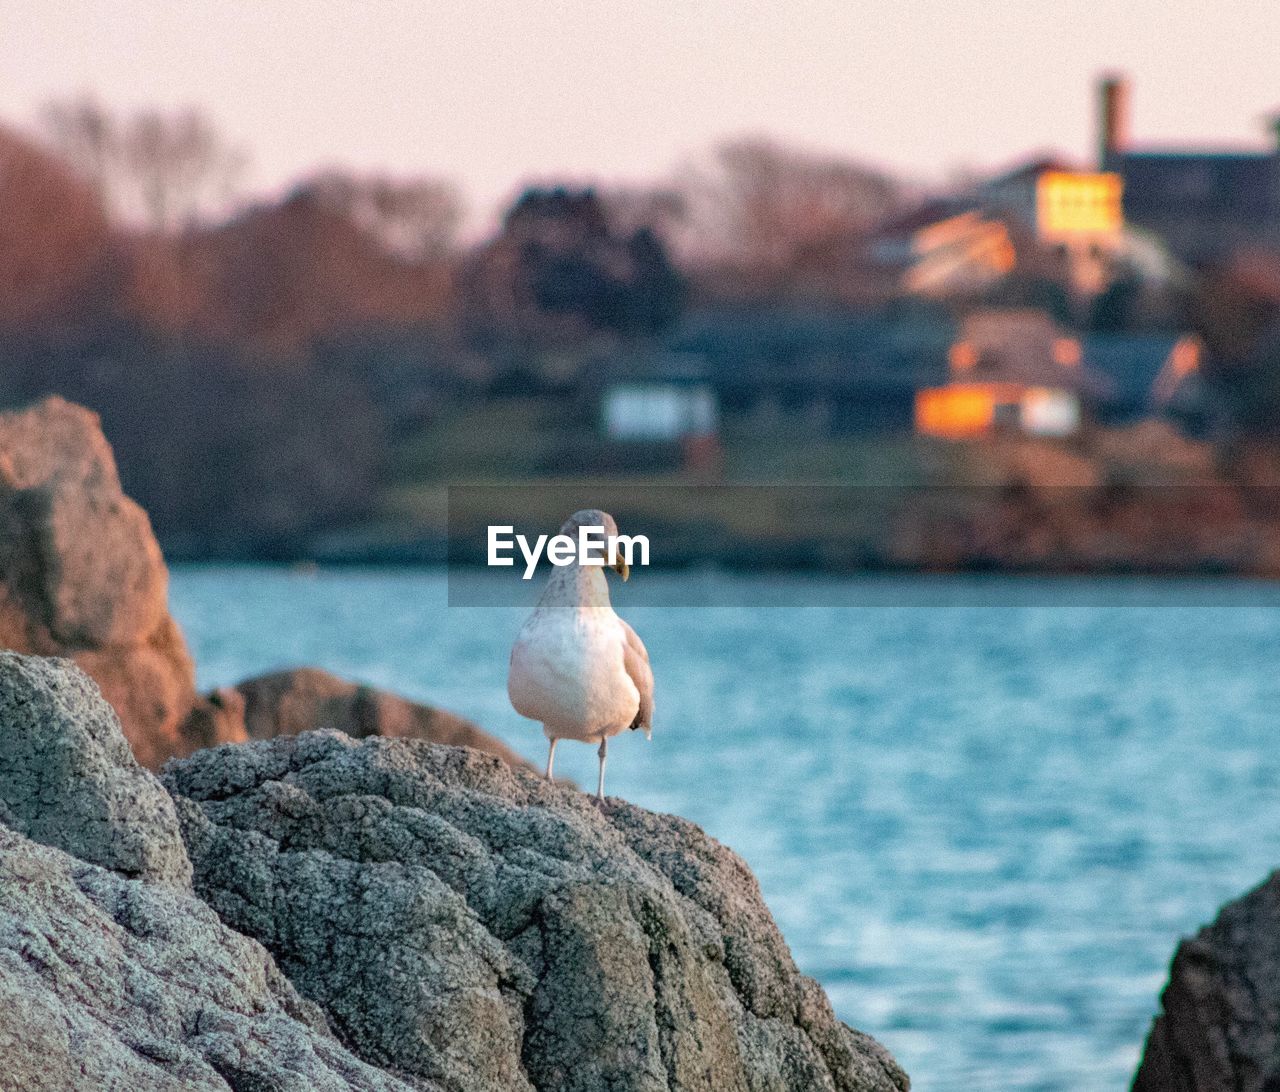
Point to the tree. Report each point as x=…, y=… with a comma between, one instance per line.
x=54, y=238
x=1236, y=310
x=166, y=170
x=415, y=218
x=764, y=205
x=561, y=267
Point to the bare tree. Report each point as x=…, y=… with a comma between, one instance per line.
x=164, y=169
x=415, y=218
x=761, y=204
x=179, y=164
x=87, y=137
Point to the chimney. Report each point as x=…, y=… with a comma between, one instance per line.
x=1113, y=134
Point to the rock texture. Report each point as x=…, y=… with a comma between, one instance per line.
x=316, y=912
x=287, y=703
x=1219, y=1028
x=81, y=574
x=68, y=778
x=111, y=983
x=118, y=977
x=469, y=925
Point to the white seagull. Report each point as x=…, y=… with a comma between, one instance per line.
x=576, y=666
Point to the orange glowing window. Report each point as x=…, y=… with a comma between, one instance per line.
x=955, y=411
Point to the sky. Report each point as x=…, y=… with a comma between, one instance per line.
x=494, y=94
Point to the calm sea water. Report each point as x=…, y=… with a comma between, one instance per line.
x=981, y=828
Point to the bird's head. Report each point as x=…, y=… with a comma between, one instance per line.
x=594, y=517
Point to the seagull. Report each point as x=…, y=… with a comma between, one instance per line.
x=576, y=666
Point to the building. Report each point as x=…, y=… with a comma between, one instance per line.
x=1043, y=216
x=658, y=410
x=1075, y=216
x=1010, y=369
x=661, y=410
x=831, y=373
x=1147, y=375
x=945, y=249
x=1202, y=201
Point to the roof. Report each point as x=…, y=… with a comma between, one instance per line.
x=754, y=346
x=1025, y=172
x=1025, y=346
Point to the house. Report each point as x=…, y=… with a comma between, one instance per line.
x=1147, y=375
x=658, y=410
x=1074, y=215
x=1010, y=369
x=1044, y=215
x=661, y=404
x=824, y=372
x=1203, y=202
x=945, y=249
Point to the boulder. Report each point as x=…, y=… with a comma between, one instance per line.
x=112, y=983
x=68, y=778
x=113, y=975
x=81, y=574
x=286, y=703
x=1219, y=1025
x=464, y=923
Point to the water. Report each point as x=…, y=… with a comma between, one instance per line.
x=982, y=829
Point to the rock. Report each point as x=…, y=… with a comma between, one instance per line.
x=1219, y=1028
x=68, y=778
x=81, y=574
x=287, y=703
x=466, y=923
x=111, y=983
x=112, y=974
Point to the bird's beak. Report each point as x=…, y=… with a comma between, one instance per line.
x=621, y=567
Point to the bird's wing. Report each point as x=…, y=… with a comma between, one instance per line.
x=635, y=658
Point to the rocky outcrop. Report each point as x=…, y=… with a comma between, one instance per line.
x=81, y=574
x=316, y=912
x=68, y=778
x=1219, y=1028
x=111, y=983
x=113, y=975
x=470, y=925
x=286, y=703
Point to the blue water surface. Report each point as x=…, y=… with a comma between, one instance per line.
x=982, y=828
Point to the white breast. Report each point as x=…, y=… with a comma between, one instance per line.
x=568, y=671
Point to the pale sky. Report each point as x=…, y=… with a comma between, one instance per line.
x=491, y=93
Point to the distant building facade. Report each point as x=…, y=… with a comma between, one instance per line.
x=1077, y=216
x=1010, y=370
x=1203, y=202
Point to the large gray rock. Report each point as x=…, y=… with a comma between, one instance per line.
x=115, y=985
x=68, y=778
x=113, y=975
x=1219, y=1028
x=466, y=923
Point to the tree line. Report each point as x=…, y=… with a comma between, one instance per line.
x=256, y=361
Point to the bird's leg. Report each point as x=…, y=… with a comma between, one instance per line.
x=551, y=757
x=604, y=750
